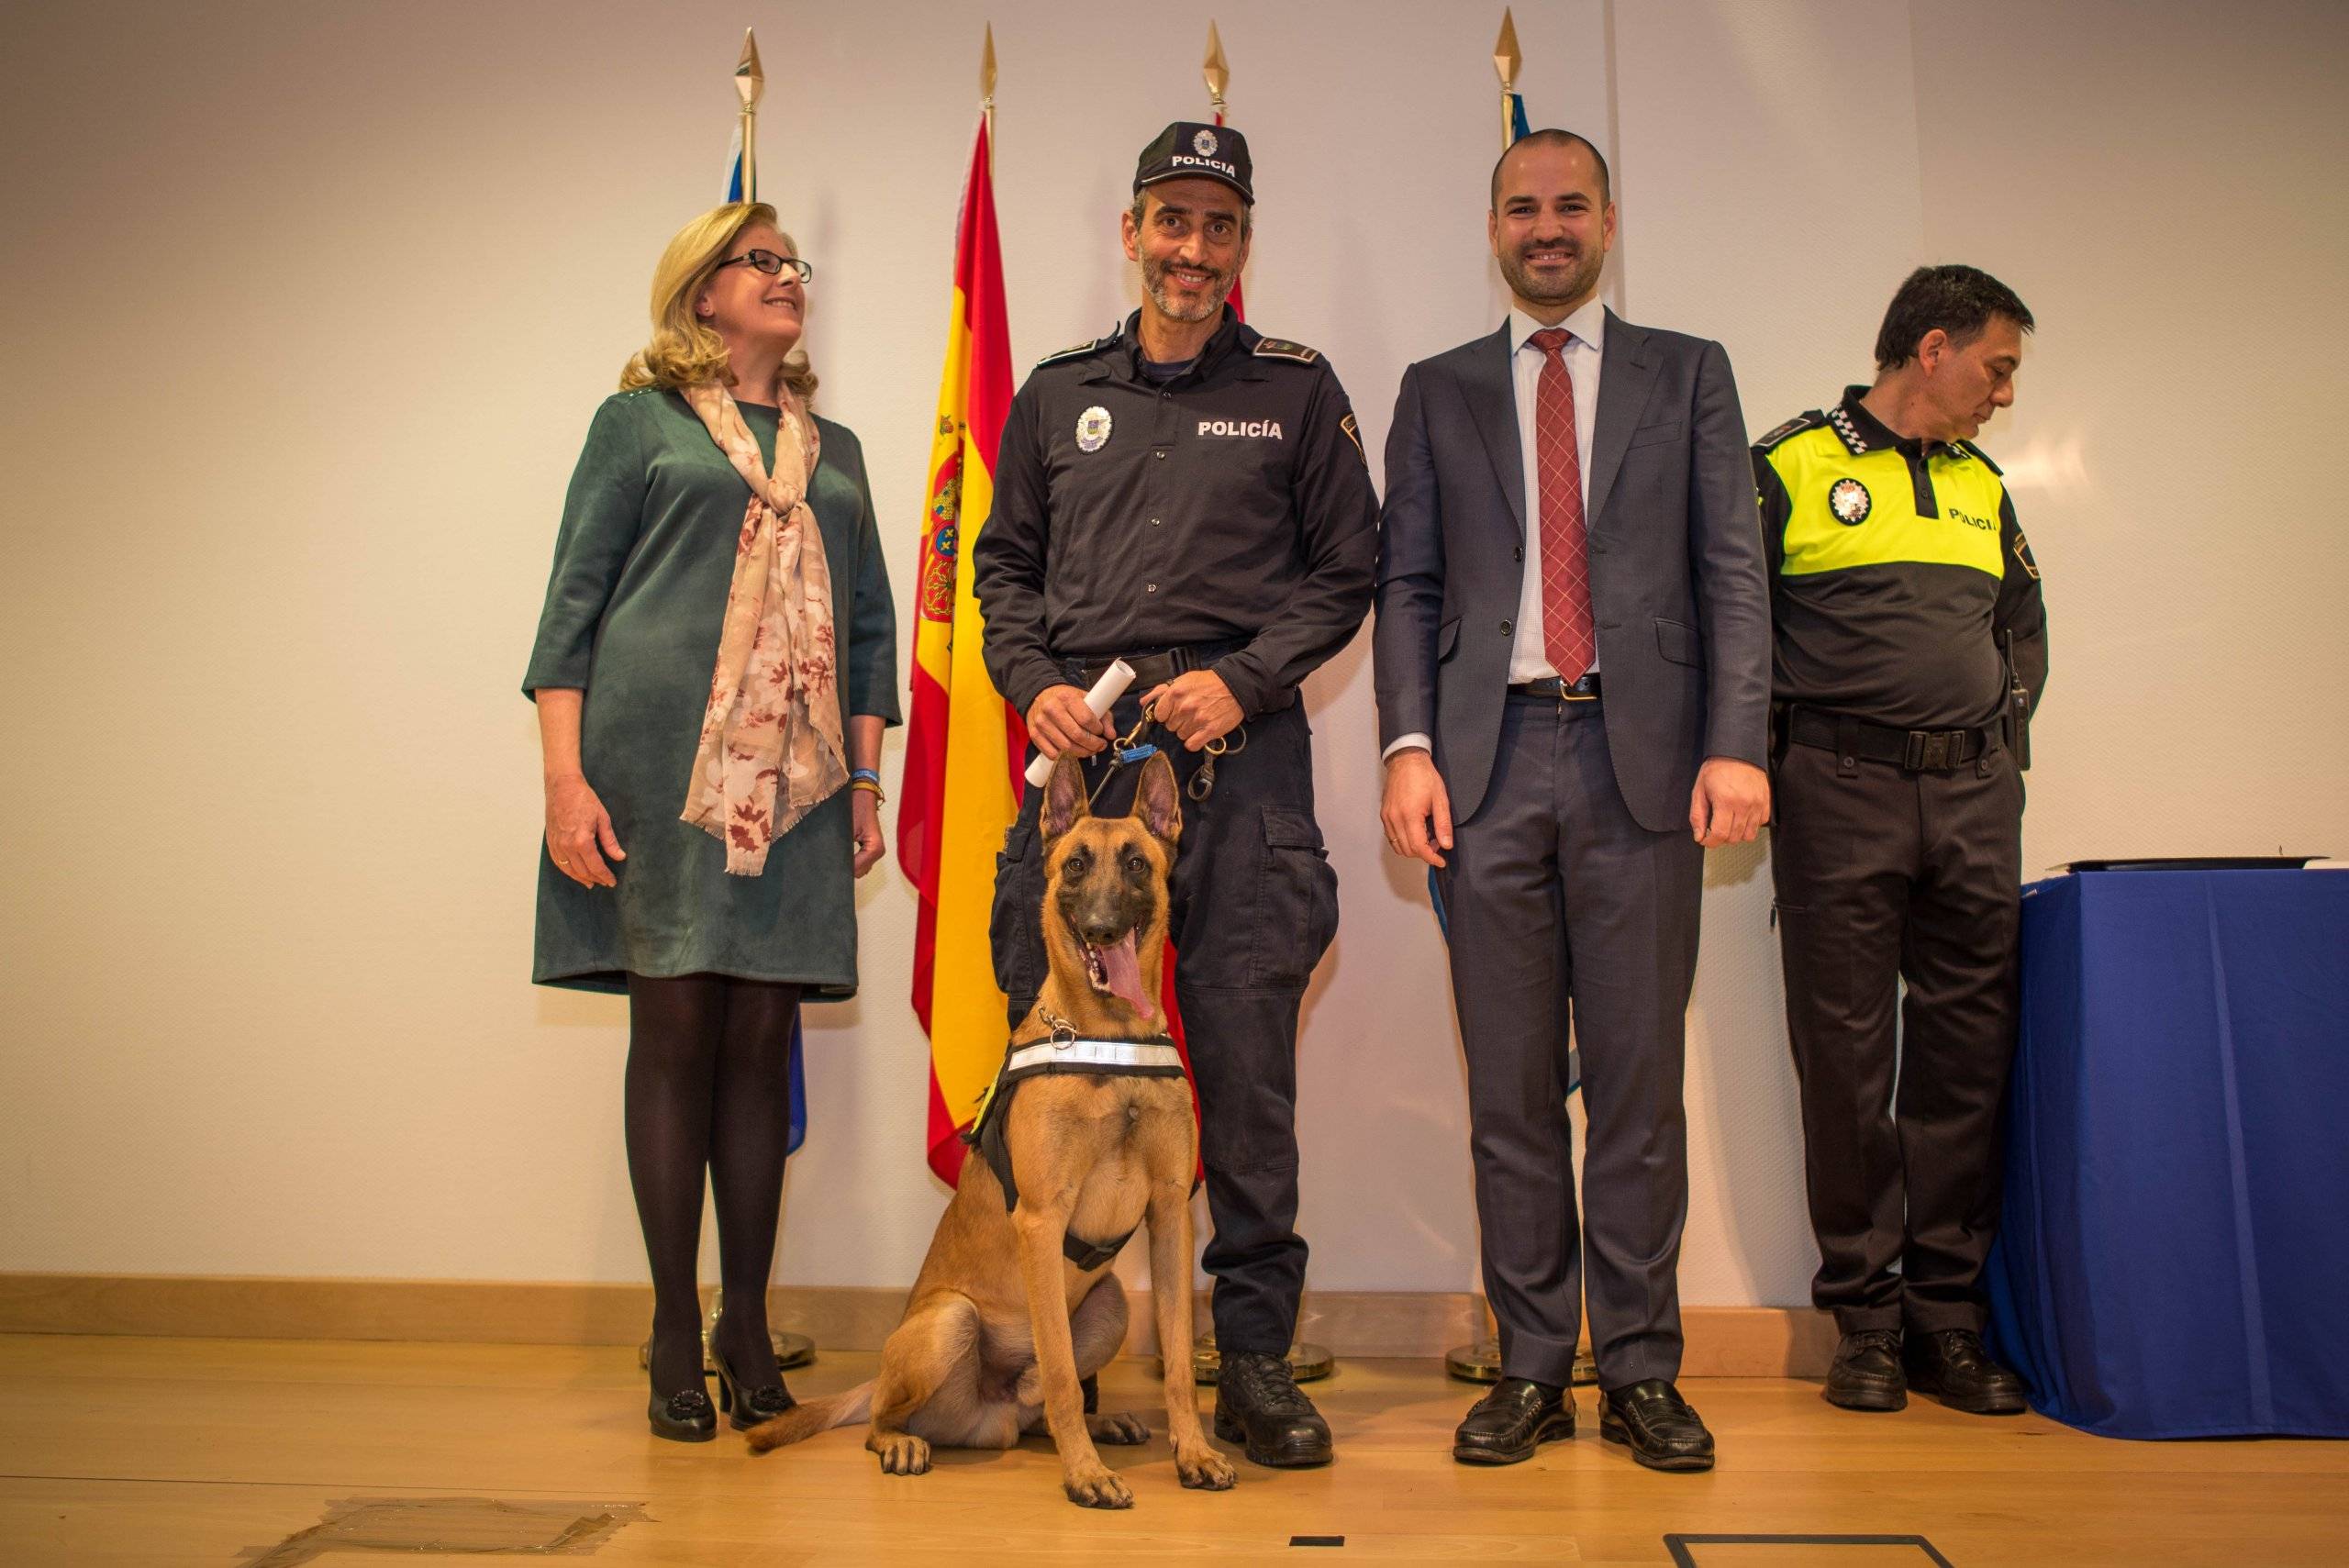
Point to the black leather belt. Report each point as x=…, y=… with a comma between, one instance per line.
x=1153, y=668
x=1558, y=689
x=1857, y=740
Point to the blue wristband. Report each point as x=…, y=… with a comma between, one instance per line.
x=867, y=774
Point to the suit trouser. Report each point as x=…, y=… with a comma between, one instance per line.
x=1885, y=877
x=1255, y=905
x=1561, y=905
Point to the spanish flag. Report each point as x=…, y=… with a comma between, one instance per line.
x=965, y=743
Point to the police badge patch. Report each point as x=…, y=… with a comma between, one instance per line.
x=1204, y=144
x=1850, y=501
x=1093, y=429
x=2022, y=554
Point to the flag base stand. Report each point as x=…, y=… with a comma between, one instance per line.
x=1481, y=1362
x=790, y=1350
x=1306, y=1361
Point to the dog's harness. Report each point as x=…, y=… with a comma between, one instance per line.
x=1065, y=1051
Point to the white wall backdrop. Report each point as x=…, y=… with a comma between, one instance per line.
x=308, y=308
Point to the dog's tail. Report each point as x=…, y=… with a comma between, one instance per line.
x=803, y=1421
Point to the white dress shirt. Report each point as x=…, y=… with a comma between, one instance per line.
x=1528, y=659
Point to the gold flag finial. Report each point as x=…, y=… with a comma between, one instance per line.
x=1218, y=72
x=986, y=70
x=750, y=81
x=1506, y=58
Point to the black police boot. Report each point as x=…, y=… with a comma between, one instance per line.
x=1866, y=1374
x=1952, y=1365
x=1259, y=1406
x=1507, y=1425
x=1659, y=1426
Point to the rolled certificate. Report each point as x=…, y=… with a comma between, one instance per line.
x=1104, y=694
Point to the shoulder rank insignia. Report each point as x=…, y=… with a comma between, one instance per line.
x=1799, y=423
x=1071, y=350
x=1978, y=455
x=1282, y=349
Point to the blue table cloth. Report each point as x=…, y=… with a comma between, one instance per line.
x=2173, y=1258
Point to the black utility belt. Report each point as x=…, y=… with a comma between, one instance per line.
x=1912, y=751
x=1153, y=667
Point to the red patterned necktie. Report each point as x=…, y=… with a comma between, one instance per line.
x=1566, y=634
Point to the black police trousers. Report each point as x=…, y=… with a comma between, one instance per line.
x=1255, y=905
x=1882, y=877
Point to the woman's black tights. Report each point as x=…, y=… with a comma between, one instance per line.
x=708, y=1089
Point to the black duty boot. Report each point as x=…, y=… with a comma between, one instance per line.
x=1259, y=1406
x=1507, y=1425
x=1659, y=1426
x=1866, y=1374
x=1952, y=1365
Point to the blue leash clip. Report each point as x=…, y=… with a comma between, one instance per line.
x=1127, y=756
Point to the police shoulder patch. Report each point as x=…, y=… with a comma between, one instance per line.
x=1282, y=349
x=1072, y=352
x=2028, y=562
x=1810, y=420
x=1978, y=455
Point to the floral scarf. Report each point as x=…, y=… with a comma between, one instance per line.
x=773, y=727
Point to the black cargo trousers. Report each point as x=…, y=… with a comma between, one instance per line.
x=1899, y=908
x=1254, y=906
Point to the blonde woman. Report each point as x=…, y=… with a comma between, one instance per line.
x=714, y=665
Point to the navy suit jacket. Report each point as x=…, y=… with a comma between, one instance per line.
x=1678, y=587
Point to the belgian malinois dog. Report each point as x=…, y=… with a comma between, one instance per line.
x=1001, y=1327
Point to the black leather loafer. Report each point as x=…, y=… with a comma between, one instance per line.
x=1953, y=1367
x=1866, y=1374
x=1507, y=1425
x=1658, y=1426
x=1259, y=1406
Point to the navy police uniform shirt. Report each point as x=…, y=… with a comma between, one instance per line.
x=1230, y=503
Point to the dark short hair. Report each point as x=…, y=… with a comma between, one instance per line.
x=1552, y=137
x=1960, y=300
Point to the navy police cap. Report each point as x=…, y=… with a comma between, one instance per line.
x=1187, y=150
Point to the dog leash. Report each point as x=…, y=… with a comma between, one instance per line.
x=1132, y=748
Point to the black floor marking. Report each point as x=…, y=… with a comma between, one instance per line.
x=1678, y=1545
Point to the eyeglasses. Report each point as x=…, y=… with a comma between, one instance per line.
x=770, y=264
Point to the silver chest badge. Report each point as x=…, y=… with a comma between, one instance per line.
x=1850, y=501
x=1093, y=429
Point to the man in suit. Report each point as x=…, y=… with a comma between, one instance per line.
x=1573, y=657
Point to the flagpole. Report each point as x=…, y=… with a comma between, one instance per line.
x=1506, y=61
x=986, y=95
x=750, y=81
x=1217, y=75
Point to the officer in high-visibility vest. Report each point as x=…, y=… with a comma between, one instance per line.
x=1909, y=652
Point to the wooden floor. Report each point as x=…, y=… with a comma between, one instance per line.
x=153, y=1452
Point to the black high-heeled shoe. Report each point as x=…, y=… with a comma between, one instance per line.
x=684, y=1418
x=747, y=1407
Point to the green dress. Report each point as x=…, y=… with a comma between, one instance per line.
x=633, y=610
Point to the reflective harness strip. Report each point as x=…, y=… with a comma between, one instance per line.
x=1109, y=1055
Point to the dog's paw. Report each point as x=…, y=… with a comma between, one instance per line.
x=1124, y=1429
x=1093, y=1486
x=1204, y=1469
x=902, y=1454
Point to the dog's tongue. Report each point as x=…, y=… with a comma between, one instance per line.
x=1123, y=971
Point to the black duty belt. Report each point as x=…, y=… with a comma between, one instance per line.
x=1153, y=668
x=1912, y=751
x=1558, y=689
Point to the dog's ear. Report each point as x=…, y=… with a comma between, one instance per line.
x=1064, y=803
x=1158, y=801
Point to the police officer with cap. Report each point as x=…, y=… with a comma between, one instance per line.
x=1910, y=651
x=1191, y=496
